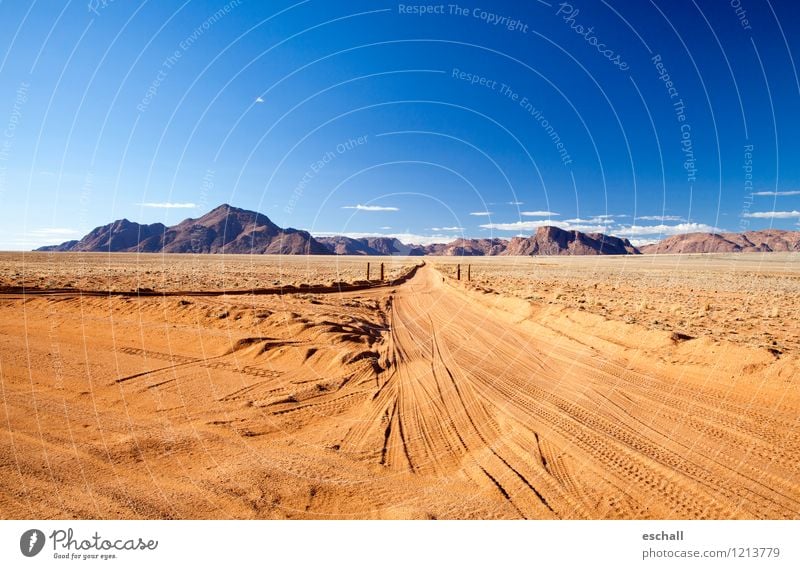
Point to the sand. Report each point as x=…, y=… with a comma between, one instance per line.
x=504, y=397
x=119, y=272
x=749, y=299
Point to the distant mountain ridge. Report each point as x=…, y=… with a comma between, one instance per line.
x=555, y=241
x=763, y=241
x=468, y=248
x=225, y=229
x=228, y=229
x=341, y=245
x=121, y=235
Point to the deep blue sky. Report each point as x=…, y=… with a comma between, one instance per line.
x=125, y=108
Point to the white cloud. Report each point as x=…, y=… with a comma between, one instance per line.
x=584, y=228
x=481, y=213
x=789, y=193
x=360, y=207
x=679, y=229
x=538, y=213
x=168, y=205
x=534, y=225
x=605, y=216
x=773, y=214
x=660, y=218
x=259, y=100
x=598, y=219
x=406, y=238
x=642, y=242
x=447, y=229
x=515, y=203
x=39, y=237
x=386, y=227
x=413, y=239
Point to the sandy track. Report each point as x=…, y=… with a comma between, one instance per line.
x=560, y=432
x=422, y=400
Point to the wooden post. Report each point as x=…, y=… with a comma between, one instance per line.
x=469, y=272
x=381, y=272
x=458, y=272
x=367, y=271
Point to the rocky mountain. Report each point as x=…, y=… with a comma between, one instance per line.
x=748, y=242
x=341, y=245
x=228, y=229
x=554, y=241
x=121, y=235
x=392, y=246
x=65, y=246
x=225, y=229
x=468, y=248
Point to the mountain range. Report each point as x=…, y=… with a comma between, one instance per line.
x=228, y=229
x=224, y=229
x=763, y=241
x=341, y=245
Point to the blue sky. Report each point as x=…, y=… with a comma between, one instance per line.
x=637, y=118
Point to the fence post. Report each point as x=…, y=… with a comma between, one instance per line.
x=469, y=272
x=458, y=272
x=381, y=272
x=367, y=271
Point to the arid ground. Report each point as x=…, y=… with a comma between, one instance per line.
x=592, y=387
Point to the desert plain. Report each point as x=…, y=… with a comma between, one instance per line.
x=216, y=386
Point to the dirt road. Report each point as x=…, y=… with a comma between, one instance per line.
x=559, y=431
x=420, y=400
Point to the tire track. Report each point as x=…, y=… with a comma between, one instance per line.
x=469, y=392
